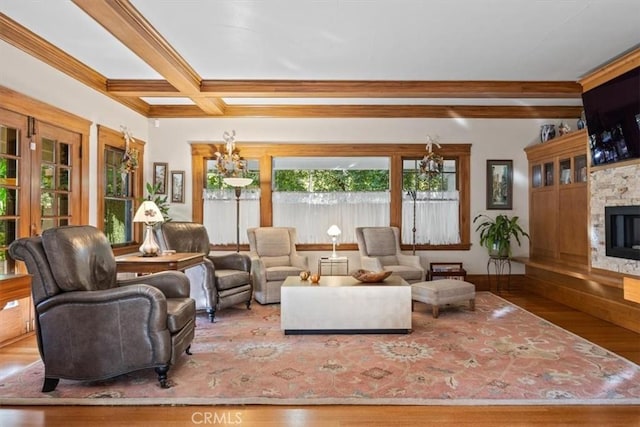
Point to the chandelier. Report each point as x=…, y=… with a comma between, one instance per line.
x=230, y=164
x=431, y=164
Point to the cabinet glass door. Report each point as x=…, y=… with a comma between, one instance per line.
x=536, y=176
x=548, y=174
x=565, y=171
x=580, y=168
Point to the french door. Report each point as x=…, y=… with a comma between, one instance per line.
x=40, y=179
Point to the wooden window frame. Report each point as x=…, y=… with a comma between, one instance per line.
x=396, y=153
x=111, y=138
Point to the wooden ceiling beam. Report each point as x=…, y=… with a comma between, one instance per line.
x=389, y=89
x=34, y=45
x=374, y=111
x=125, y=23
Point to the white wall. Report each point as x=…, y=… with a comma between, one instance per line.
x=490, y=139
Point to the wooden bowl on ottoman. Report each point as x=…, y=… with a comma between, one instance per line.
x=365, y=276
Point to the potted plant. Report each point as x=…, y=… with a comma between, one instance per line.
x=496, y=234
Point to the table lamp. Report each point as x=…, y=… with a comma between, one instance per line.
x=334, y=232
x=149, y=214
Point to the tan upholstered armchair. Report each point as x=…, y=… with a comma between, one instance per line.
x=222, y=281
x=273, y=258
x=380, y=250
x=92, y=326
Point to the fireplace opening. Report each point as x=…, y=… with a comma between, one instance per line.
x=622, y=229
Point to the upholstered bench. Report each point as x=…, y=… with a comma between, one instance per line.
x=446, y=291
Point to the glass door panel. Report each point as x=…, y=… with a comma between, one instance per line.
x=565, y=171
x=58, y=159
x=536, y=176
x=580, y=166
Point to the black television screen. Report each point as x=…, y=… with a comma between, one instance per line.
x=612, y=113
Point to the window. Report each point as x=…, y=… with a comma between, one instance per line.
x=221, y=208
x=456, y=178
x=119, y=188
x=430, y=205
x=311, y=194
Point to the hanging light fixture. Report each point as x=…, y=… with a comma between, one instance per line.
x=432, y=163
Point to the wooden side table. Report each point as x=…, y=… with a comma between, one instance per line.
x=136, y=263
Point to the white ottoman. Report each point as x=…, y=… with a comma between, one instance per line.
x=446, y=291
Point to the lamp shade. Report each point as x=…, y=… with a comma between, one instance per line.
x=237, y=182
x=334, y=231
x=149, y=213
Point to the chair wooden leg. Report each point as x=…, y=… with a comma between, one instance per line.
x=472, y=304
x=249, y=305
x=435, y=311
x=212, y=313
x=188, y=351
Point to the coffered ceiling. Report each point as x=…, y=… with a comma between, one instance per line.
x=329, y=58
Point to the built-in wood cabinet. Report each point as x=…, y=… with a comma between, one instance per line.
x=558, y=199
x=16, y=309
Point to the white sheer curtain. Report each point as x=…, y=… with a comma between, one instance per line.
x=220, y=214
x=436, y=217
x=313, y=213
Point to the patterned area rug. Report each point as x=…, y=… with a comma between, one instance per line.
x=499, y=354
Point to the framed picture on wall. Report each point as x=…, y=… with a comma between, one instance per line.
x=499, y=184
x=177, y=186
x=160, y=176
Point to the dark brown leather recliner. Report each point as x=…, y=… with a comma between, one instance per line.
x=226, y=279
x=92, y=326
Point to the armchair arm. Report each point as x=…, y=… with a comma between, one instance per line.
x=300, y=261
x=258, y=273
x=370, y=263
x=105, y=332
x=409, y=260
x=231, y=262
x=173, y=284
x=104, y=304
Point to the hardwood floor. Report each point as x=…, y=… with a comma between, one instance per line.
x=619, y=340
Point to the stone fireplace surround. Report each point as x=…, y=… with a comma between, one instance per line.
x=612, y=186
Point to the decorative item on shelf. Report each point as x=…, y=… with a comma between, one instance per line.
x=233, y=168
x=304, y=275
x=496, y=234
x=564, y=128
x=547, y=132
x=431, y=163
x=581, y=121
x=365, y=276
x=315, y=278
x=149, y=214
x=334, y=232
x=130, y=156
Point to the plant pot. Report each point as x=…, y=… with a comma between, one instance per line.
x=498, y=252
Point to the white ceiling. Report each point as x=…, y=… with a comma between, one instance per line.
x=535, y=40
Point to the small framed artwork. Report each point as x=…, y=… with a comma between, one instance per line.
x=160, y=177
x=499, y=184
x=177, y=186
